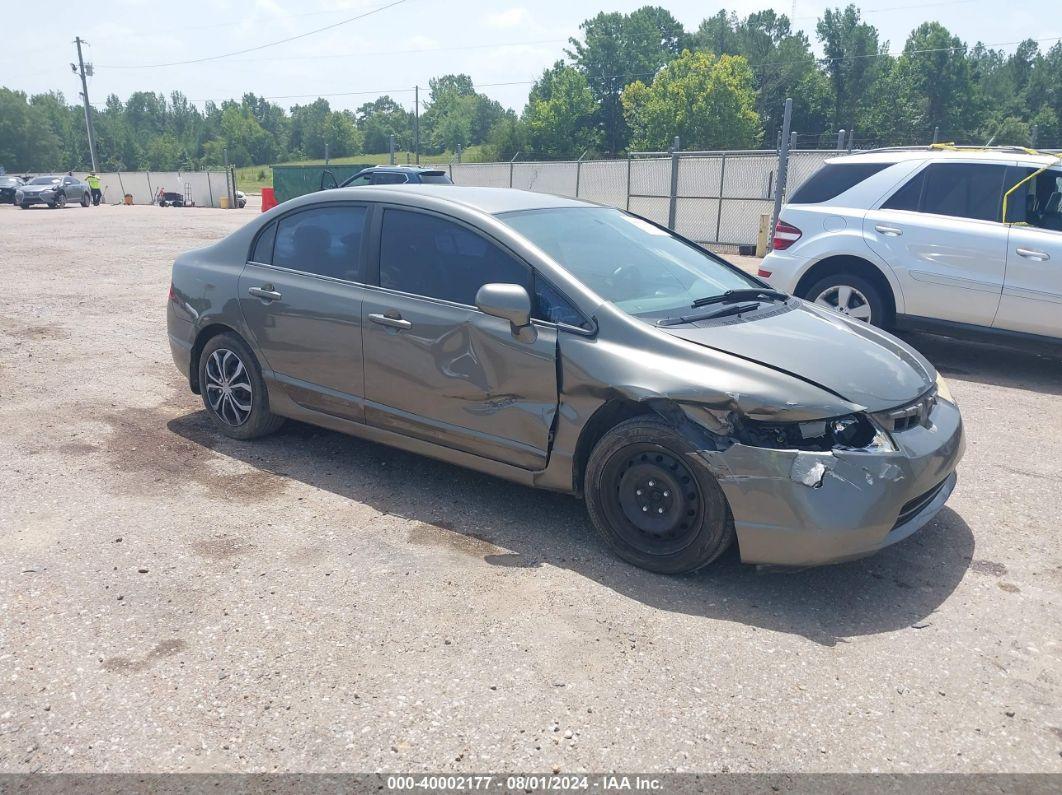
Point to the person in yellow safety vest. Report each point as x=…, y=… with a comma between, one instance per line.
x=94, y=183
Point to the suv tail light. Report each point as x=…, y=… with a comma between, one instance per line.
x=785, y=235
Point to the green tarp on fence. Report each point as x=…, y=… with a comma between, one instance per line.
x=292, y=181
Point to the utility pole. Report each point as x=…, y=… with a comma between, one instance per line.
x=783, y=162
x=80, y=70
x=416, y=122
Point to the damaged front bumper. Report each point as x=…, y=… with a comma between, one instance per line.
x=800, y=508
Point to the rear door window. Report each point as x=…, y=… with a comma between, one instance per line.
x=429, y=256
x=263, y=247
x=324, y=241
x=833, y=179
x=909, y=197
x=388, y=178
x=964, y=190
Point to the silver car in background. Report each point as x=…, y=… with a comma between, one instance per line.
x=577, y=348
x=53, y=191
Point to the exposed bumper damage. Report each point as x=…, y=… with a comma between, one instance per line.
x=796, y=507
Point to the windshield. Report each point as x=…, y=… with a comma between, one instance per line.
x=644, y=270
x=44, y=181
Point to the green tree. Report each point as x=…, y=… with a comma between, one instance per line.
x=559, y=116
x=618, y=49
x=852, y=55
x=380, y=119
x=781, y=61
x=936, y=71
x=708, y=101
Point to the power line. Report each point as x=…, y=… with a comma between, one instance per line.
x=260, y=46
x=365, y=53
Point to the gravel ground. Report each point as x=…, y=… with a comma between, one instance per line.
x=171, y=600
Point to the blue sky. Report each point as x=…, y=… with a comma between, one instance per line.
x=495, y=41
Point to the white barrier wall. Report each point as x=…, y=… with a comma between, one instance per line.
x=205, y=188
x=720, y=196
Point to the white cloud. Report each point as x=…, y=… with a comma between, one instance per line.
x=510, y=18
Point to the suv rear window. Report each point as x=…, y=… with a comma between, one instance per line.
x=833, y=179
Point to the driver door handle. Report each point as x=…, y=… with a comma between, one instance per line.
x=1032, y=253
x=265, y=292
x=890, y=231
x=391, y=322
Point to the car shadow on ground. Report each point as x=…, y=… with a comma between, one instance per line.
x=1035, y=368
x=506, y=524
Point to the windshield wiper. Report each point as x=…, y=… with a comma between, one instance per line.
x=735, y=309
x=733, y=296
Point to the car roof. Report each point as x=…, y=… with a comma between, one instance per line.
x=417, y=169
x=996, y=155
x=486, y=200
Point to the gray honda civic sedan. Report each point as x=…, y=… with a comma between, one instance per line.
x=577, y=348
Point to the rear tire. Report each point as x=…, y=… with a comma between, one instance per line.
x=84, y=200
x=653, y=501
x=852, y=296
x=234, y=394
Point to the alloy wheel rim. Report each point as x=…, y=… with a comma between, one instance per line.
x=657, y=503
x=846, y=300
x=228, y=387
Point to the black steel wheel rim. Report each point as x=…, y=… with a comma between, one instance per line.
x=653, y=501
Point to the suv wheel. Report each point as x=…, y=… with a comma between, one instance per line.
x=233, y=391
x=851, y=296
x=653, y=502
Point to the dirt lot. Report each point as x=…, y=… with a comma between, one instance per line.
x=171, y=600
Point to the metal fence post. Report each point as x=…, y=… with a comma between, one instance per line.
x=719, y=208
x=578, y=171
x=672, y=209
x=851, y=139
x=628, y=182
x=783, y=162
x=512, y=167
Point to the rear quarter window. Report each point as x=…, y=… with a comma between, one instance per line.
x=833, y=179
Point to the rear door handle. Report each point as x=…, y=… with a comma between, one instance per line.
x=265, y=292
x=391, y=322
x=1032, y=253
x=891, y=231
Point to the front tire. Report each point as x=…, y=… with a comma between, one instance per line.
x=852, y=296
x=234, y=394
x=653, y=501
x=84, y=200
x=60, y=202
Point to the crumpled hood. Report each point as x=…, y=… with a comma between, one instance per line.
x=28, y=189
x=859, y=363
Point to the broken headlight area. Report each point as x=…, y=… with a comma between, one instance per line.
x=855, y=432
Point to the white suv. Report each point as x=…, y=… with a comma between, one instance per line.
x=938, y=238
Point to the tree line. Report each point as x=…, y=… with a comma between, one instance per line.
x=627, y=82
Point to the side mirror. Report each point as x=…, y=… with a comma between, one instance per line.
x=509, y=302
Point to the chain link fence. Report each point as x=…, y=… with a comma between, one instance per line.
x=713, y=198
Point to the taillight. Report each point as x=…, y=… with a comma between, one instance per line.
x=785, y=235
x=173, y=294
x=763, y=274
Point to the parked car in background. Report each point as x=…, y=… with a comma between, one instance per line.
x=572, y=347
x=952, y=239
x=388, y=175
x=8, y=186
x=54, y=191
